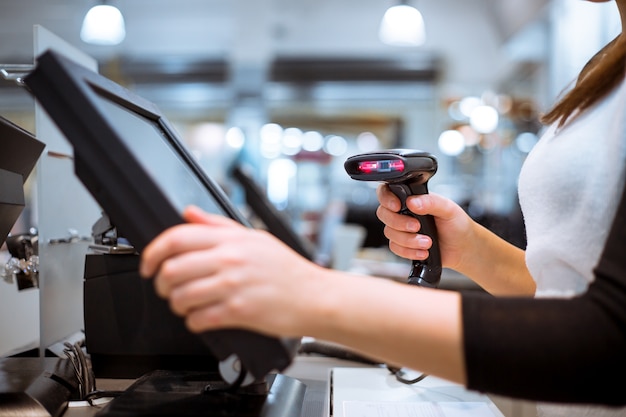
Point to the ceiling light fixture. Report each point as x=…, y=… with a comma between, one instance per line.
x=402, y=25
x=103, y=25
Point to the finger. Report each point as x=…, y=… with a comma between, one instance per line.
x=179, y=269
x=174, y=241
x=432, y=204
x=207, y=318
x=231, y=312
x=179, y=239
x=408, y=245
x=199, y=293
x=408, y=240
x=397, y=221
x=388, y=199
x=408, y=253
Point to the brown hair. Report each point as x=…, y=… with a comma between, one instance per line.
x=604, y=71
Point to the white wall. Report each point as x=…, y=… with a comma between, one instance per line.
x=19, y=317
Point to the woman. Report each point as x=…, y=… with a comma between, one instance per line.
x=568, y=217
x=218, y=274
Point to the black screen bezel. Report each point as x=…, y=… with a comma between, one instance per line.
x=71, y=93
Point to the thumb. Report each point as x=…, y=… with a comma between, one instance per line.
x=433, y=204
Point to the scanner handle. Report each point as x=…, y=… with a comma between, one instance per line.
x=426, y=273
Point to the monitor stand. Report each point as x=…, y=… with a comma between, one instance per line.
x=191, y=394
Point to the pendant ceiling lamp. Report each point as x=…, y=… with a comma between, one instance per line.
x=402, y=25
x=103, y=25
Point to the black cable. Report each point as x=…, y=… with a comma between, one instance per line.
x=400, y=373
x=97, y=394
x=82, y=369
x=334, y=350
x=77, y=365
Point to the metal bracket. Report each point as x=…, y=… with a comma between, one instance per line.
x=16, y=72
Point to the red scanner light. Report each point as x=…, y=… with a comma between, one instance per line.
x=387, y=165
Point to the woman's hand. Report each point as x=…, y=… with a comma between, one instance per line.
x=217, y=273
x=467, y=247
x=454, y=227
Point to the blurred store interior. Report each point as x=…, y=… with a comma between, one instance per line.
x=288, y=89
x=291, y=88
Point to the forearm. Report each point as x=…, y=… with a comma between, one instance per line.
x=547, y=349
x=393, y=322
x=496, y=265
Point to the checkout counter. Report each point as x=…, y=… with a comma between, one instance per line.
x=332, y=388
x=342, y=388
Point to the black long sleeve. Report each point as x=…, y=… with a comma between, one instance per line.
x=554, y=350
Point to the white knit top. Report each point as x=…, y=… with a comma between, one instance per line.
x=568, y=189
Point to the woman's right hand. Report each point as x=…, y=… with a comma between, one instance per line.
x=454, y=227
x=467, y=247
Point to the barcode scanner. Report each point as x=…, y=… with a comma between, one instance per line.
x=407, y=173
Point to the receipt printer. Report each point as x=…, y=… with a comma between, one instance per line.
x=129, y=330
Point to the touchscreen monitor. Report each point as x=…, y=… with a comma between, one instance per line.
x=131, y=160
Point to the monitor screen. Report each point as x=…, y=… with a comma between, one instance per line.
x=152, y=147
x=131, y=160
